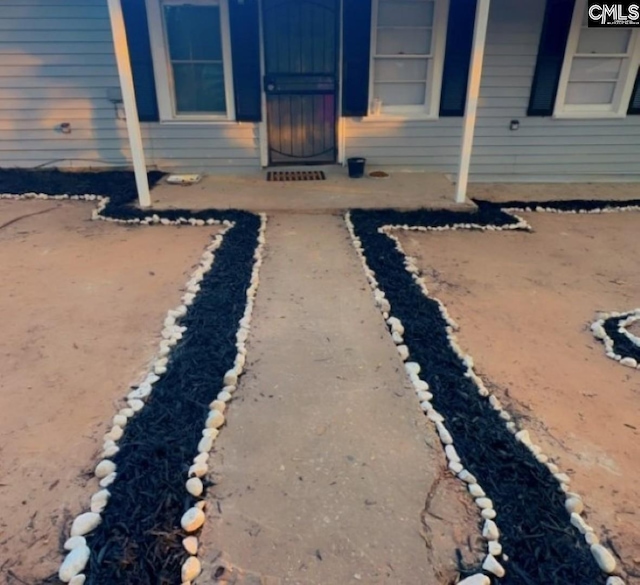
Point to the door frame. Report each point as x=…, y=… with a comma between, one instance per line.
x=263, y=133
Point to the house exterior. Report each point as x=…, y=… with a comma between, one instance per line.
x=525, y=92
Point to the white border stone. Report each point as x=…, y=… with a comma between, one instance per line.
x=624, y=320
x=216, y=418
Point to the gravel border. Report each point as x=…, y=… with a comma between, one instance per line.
x=527, y=489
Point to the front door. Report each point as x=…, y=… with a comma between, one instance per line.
x=300, y=82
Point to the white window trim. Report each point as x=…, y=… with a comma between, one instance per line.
x=162, y=66
x=434, y=75
x=618, y=109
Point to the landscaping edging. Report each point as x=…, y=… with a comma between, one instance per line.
x=620, y=345
x=149, y=478
x=544, y=537
x=561, y=206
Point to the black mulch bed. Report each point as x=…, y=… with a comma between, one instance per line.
x=536, y=533
x=120, y=186
x=622, y=345
x=576, y=205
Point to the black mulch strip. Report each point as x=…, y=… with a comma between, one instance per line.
x=622, y=345
x=537, y=536
x=139, y=540
x=119, y=185
x=568, y=205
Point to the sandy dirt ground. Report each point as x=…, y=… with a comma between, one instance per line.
x=327, y=471
x=82, y=306
x=524, y=303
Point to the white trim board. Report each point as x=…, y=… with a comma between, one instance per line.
x=341, y=144
x=263, y=133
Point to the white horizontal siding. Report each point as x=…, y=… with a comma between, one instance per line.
x=57, y=65
x=542, y=148
x=410, y=145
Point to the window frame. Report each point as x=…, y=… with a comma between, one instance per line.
x=624, y=84
x=435, y=69
x=163, y=72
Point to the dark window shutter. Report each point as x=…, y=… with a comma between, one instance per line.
x=553, y=42
x=455, y=74
x=634, y=103
x=356, y=48
x=245, y=54
x=135, y=21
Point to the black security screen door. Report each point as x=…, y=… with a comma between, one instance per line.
x=300, y=48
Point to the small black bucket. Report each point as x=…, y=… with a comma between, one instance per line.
x=356, y=167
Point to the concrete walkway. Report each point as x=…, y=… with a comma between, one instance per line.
x=326, y=462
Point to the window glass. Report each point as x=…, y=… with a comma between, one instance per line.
x=392, y=13
x=195, y=53
x=392, y=41
x=199, y=87
x=401, y=94
x=401, y=70
x=590, y=93
x=604, y=40
x=595, y=69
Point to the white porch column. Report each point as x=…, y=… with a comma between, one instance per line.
x=129, y=100
x=473, y=91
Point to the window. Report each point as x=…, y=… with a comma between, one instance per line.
x=599, y=69
x=191, y=59
x=407, y=52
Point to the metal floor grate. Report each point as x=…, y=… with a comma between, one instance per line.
x=295, y=176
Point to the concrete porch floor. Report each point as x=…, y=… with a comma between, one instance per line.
x=338, y=193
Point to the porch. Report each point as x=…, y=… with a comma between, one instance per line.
x=296, y=112
x=299, y=72
x=338, y=193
